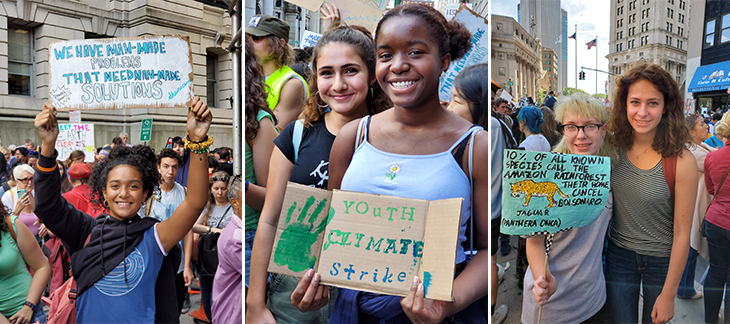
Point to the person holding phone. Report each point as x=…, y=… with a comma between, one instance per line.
x=19, y=201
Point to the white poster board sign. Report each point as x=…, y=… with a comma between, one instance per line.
x=73, y=137
x=110, y=73
x=479, y=52
x=310, y=39
x=450, y=9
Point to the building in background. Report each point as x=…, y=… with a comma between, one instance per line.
x=546, y=21
x=549, y=75
x=654, y=31
x=708, y=59
x=28, y=27
x=514, y=57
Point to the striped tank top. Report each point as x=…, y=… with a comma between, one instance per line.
x=643, y=212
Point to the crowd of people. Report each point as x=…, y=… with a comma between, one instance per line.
x=366, y=104
x=122, y=229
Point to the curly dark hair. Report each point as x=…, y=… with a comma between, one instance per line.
x=169, y=153
x=359, y=39
x=255, y=93
x=451, y=36
x=140, y=156
x=672, y=134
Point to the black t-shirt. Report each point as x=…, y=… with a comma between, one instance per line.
x=227, y=167
x=312, y=166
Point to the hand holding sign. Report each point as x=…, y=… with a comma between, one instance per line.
x=295, y=246
x=331, y=16
x=422, y=310
x=47, y=126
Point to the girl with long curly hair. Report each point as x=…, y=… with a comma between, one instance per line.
x=648, y=241
x=125, y=260
x=260, y=134
x=342, y=89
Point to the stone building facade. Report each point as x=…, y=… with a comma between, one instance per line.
x=27, y=27
x=514, y=57
x=654, y=31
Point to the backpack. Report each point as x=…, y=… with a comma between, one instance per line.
x=63, y=301
x=509, y=140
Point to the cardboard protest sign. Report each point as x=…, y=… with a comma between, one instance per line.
x=366, y=13
x=73, y=137
x=550, y=192
x=310, y=39
x=479, y=52
x=109, y=73
x=368, y=242
x=311, y=5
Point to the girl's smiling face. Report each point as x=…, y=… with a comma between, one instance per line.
x=343, y=79
x=409, y=63
x=124, y=191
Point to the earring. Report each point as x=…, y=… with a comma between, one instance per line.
x=322, y=107
x=371, y=92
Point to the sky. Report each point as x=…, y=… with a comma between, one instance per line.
x=593, y=20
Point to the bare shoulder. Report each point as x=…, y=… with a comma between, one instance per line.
x=686, y=158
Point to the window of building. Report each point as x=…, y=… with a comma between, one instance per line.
x=500, y=56
x=725, y=33
x=211, y=75
x=279, y=3
x=499, y=26
x=20, y=61
x=710, y=33
x=679, y=44
x=502, y=72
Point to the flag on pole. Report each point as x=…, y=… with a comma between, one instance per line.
x=573, y=36
x=560, y=39
x=592, y=43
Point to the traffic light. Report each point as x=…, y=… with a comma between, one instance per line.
x=581, y=75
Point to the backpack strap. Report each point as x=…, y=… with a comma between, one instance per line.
x=148, y=205
x=669, y=167
x=296, y=138
x=471, y=181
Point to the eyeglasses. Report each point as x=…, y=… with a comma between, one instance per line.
x=589, y=129
x=24, y=180
x=217, y=178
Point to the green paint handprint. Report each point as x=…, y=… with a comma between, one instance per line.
x=295, y=244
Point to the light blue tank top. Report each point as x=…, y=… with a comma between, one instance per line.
x=431, y=177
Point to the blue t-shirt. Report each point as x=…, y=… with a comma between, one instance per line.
x=714, y=142
x=109, y=300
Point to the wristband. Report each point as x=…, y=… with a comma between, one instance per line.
x=29, y=304
x=246, y=190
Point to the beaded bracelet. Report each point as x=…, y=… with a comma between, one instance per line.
x=197, y=146
x=29, y=304
x=246, y=186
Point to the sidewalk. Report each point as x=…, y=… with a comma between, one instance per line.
x=685, y=310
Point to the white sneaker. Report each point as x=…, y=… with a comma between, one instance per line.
x=500, y=314
x=501, y=270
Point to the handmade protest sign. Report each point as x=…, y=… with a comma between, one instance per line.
x=479, y=52
x=368, y=242
x=366, y=13
x=73, y=137
x=550, y=192
x=109, y=73
x=310, y=39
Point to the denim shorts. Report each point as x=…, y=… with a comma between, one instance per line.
x=250, y=235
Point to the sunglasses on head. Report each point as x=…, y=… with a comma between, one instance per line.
x=217, y=178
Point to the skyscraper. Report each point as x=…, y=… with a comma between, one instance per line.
x=548, y=22
x=654, y=31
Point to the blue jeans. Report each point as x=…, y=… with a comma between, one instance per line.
x=206, y=292
x=249, y=237
x=687, y=284
x=629, y=271
x=718, y=240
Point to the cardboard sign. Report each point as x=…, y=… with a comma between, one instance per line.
x=479, y=52
x=310, y=39
x=550, y=192
x=73, y=137
x=311, y=5
x=109, y=73
x=368, y=242
x=366, y=13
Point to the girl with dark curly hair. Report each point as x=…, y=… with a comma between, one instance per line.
x=429, y=146
x=343, y=88
x=124, y=263
x=648, y=240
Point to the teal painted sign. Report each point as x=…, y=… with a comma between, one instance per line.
x=550, y=192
